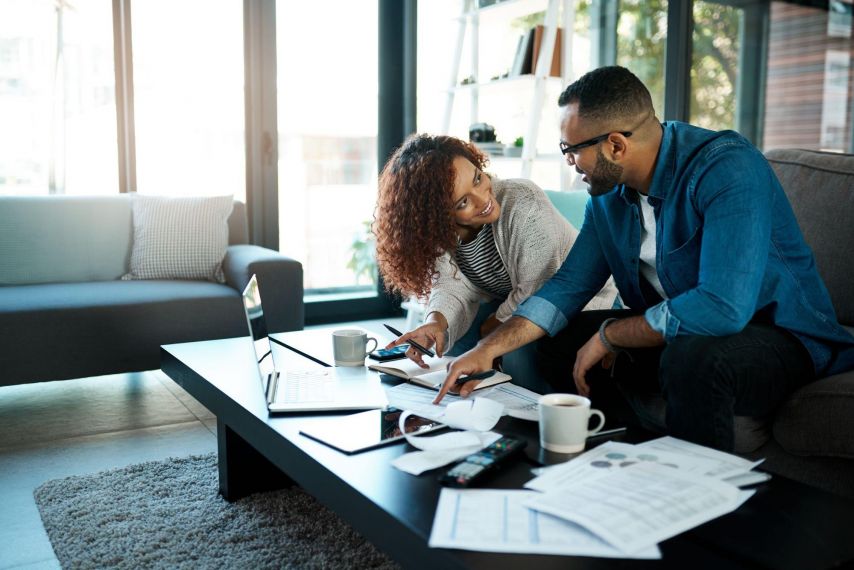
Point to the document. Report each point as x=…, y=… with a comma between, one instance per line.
x=497, y=521
x=517, y=401
x=641, y=505
x=613, y=456
x=725, y=464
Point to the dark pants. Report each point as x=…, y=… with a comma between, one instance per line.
x=705, y=380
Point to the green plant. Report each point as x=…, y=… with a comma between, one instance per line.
x=520, y=142
x=363, y=260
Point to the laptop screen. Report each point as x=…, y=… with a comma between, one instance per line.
x=257, y=325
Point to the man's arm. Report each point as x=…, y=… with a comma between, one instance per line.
x=513, y=333
x=631, y=332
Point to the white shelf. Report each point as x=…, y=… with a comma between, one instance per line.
x=509, y=82
x=510, y=9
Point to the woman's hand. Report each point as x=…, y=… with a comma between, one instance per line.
x=428, y=335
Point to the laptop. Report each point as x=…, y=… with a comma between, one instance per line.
x=309, y=389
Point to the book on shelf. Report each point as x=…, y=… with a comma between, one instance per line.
x=539, y=33
x=432, y=377
x=524, y=50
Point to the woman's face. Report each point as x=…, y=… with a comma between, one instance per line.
x=473, y=201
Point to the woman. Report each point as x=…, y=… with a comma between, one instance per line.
x=473, y=245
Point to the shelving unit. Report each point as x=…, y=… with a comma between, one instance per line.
x=470, y=20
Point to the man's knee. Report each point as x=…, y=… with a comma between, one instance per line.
x=691, y=365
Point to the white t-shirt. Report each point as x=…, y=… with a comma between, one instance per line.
x=647, y=246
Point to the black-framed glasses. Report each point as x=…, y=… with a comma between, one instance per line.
x=574, y=148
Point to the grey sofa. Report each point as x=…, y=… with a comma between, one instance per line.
x=812, y=434
x=65, y=313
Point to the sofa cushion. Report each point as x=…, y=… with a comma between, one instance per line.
x=179, y=238
x=72, y=330
x=820, y=187
x=817, y=419
x=53, y=239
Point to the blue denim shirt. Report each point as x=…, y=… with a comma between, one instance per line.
x=728, y=251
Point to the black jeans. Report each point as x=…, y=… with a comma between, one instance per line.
x=706, y=381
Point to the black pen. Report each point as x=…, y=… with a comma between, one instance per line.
x=479, y=376
x=414, y=344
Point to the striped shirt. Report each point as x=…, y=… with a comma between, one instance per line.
x=480, y=262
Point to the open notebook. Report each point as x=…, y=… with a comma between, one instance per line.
x=432, y=377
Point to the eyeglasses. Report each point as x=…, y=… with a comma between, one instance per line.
x=574, y=148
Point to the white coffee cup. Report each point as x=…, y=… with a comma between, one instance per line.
x=563, y=422
x=350, y=347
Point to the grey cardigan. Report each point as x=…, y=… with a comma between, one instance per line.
x=532, y=239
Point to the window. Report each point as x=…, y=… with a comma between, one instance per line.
x=641, y=44
x=808, y=94
x=188, y=97
x=327, y=114
x=57, y=98
x=715, y=65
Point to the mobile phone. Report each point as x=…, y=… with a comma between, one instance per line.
x=383, y=355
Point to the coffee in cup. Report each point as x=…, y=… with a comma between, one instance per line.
x=350, y=347
x=563, y=422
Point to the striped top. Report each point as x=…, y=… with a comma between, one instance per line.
x=480, y=262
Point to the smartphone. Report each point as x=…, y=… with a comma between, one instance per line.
x=367, y=430
x=383, y=355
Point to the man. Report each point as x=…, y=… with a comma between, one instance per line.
x=726, y=315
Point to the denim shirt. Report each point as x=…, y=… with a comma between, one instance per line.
x=728, y=251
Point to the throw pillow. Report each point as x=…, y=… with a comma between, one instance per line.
x=179, y=238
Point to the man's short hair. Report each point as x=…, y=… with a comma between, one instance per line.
x=608, y=93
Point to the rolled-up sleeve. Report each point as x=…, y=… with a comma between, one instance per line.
x=583, y=273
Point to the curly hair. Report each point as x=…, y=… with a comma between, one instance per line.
x=414, y=220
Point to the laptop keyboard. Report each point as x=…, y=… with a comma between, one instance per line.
x=301, y=387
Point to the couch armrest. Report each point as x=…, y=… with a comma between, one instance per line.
x=279, y=278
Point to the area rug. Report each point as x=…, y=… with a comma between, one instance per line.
x=168, y=514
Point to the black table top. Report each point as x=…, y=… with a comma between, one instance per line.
x=785, y=525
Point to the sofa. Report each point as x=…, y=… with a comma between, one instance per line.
x=66, y=313
x=811, y=436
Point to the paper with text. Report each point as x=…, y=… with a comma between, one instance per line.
x=726, y=464
x=497, y=521
x=641, y=505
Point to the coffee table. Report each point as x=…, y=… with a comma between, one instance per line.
x=785, y=525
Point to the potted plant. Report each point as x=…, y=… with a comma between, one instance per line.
x=515, y=149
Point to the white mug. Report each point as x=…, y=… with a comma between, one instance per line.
x=563, y=422
x=350, y=347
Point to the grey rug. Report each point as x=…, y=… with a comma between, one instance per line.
x=168, y=514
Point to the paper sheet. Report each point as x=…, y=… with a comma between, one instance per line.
x=726, y=464
x=497, y=521
x=612, y=456
x=518, y=402
x=641, y=505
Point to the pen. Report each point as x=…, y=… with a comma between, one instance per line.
x=414, y=344
x=478, y=376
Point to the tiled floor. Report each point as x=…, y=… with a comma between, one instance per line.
x=56, y=429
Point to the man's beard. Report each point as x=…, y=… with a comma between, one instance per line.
x=605, y=175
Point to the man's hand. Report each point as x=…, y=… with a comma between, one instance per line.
x=476, y=360
x=591, y=353
x=428, y=335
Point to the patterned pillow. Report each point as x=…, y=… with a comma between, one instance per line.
x=179, y=238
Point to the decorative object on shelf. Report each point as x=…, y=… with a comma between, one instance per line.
x=470, y=80
x=515, y=149
x=481, y=133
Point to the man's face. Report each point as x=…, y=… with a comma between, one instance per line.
x=597, y=171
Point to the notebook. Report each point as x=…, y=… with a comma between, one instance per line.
x=434, y=376
x=310, y=389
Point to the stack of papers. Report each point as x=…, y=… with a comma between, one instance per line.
x=616, y=500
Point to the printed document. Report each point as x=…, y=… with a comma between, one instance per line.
x=641, y=505
x=613, y=456
x=497, y=521
x=726, y=465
